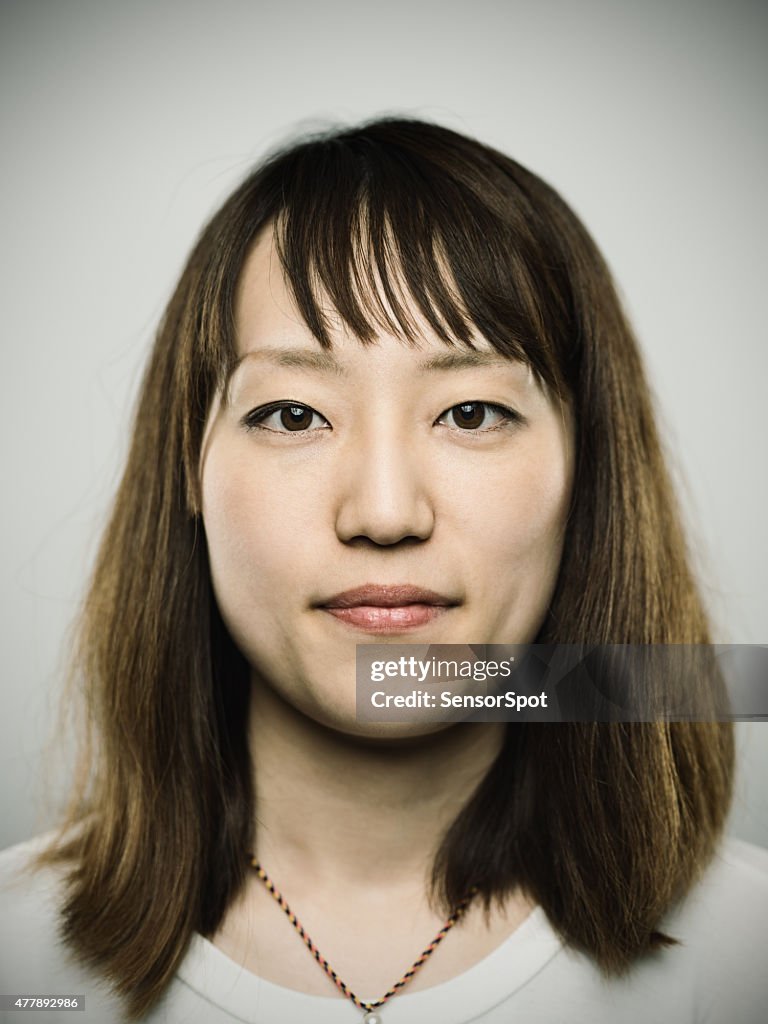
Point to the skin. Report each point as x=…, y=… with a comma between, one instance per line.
x=382, y=486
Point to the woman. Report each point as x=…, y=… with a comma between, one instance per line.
x=393, y=399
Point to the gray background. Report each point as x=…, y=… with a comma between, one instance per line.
x=123, y=126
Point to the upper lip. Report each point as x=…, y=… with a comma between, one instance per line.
x=386, y=595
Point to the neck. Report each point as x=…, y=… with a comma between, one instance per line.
x=342, y=809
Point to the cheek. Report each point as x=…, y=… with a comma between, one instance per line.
x=256, y=528
x=525, y=510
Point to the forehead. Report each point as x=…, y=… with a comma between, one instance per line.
x=267, y=316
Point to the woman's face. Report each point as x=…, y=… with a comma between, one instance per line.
x=374, y=493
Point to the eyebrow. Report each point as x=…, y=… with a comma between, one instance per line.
x=462, y=360
x=302, y=359
x=326, y=362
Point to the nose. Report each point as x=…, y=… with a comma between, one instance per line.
x=383, y=496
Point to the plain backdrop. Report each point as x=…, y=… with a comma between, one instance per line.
x=125, y=124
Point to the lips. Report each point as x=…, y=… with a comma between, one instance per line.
x=387, y=608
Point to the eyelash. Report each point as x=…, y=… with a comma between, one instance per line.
x=256, y=419
x=508, y=416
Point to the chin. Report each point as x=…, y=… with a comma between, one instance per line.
x=346, y=723
x=388, y=733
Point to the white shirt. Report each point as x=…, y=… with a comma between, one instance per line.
x=719, y=975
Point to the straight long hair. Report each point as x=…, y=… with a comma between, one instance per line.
x=604, y=825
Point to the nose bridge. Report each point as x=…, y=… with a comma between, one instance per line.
x=384, y=494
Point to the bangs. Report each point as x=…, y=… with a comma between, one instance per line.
x=383, y=223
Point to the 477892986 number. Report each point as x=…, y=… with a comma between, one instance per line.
x=40, y=1002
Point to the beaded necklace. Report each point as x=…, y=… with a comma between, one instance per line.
x=369, y=1009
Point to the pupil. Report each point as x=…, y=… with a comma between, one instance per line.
x=469, y=415
x=295, y=417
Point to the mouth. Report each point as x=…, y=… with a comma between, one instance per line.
x=387, y=608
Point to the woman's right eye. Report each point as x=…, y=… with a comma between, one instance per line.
x=285, y=418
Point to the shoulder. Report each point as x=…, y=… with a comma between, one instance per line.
x=732, y=892
x=714, y=974
x=34, y=959
x=27, y=895
x=723, y=930
x=29, y=900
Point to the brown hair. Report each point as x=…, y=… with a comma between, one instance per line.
x=604, y=825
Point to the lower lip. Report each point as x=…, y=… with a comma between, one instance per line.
x=376, y=619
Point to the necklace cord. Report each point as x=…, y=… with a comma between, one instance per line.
x=344, y=988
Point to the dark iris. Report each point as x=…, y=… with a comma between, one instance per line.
x=469, y=415
x=296, y=417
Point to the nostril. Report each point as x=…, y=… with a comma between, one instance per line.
x=363, y=541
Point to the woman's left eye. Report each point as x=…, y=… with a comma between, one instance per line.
x=477, y=416
x=286, y=418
